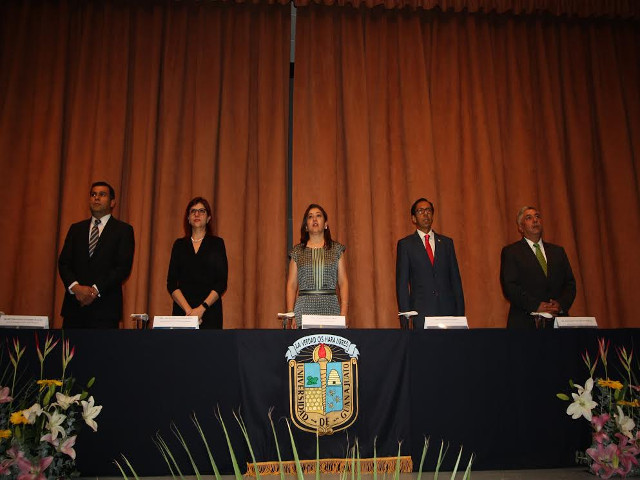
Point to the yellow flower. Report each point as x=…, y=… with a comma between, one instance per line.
x=616, y=385
x=47, y=383
x=18, y=417
x=635, y=403
x=5, y=434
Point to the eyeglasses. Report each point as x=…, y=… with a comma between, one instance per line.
x=98, y=194
x=421, y=211
x=201, y=211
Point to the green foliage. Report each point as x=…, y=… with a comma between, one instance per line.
x=353, y=459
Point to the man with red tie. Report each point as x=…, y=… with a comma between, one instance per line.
x=427, y=275
x=94, y=262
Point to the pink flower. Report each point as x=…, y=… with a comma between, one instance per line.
x=14, y=454
x=49, y=439
x=29, y=471
x=604, y=459
x=67, y=447
x=600, y=437
x=5, y=465
x=598, y=423
x=4, y=395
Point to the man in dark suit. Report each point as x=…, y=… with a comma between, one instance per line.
x=427, y=276
x=95, y=260
x=536, y=277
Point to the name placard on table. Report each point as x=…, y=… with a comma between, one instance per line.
x=446, y=322
x=575, y=322
x=24, y=321
x=323, y=321
x=176, y=322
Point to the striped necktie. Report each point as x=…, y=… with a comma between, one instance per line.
x=540, y=257
x=93, y=238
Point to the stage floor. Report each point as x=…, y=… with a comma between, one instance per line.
x=577, y=473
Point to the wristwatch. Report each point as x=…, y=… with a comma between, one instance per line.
x=205, y=305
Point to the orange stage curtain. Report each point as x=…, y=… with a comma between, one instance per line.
x=578, y=8
x=481, y=114
x=165, y=101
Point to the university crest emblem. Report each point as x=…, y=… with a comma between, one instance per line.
x=323, y=383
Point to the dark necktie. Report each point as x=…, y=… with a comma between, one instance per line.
x=428, y=247
x=540, y=257
x=93, y=238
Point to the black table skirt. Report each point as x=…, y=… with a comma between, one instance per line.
x=492, y=391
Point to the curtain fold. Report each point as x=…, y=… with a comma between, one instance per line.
x=163, y=101
x=577, y=8
x=481, y=114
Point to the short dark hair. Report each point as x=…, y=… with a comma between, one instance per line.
x=112, y=192
x=187, y=226
x=304, y=233
x=415, y=204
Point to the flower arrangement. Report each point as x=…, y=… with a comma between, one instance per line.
x=40, y=419
x=614, y=414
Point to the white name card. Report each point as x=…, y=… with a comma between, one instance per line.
x=24, y=321
x=575, y=322
x=174, y=322
x=323, y=321
x=445, y=322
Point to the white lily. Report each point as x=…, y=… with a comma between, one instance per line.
x=90, y=411
x=582, y=401
x=64, y=401
x=624, y=423
x=32, y=413
x=54, y=425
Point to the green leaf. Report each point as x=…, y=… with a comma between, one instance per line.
x=234, y=461
x=275, y=438
x=245, y=432
x=424, y=454
x=295, y=453
x=185, y=447
x=216, y=472
x=396, y=475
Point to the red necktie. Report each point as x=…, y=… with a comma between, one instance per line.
x=428, y=247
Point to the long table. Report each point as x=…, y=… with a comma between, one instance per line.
x=492, y=391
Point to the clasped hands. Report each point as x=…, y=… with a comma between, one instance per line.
x=552, y=307
x=195, y=312
x=84, y=294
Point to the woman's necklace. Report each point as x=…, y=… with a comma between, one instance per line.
x=196, y=241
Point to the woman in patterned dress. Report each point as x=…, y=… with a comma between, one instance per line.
x=316, y=268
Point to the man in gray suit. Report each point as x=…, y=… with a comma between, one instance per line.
x=427, y=275
x=536, y=276
x=94, y=262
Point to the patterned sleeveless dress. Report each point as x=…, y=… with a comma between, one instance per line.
x=317, y=270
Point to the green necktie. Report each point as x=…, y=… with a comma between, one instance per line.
x=541, y=260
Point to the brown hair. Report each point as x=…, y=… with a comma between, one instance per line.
x=304, y=233
x=187, y=225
